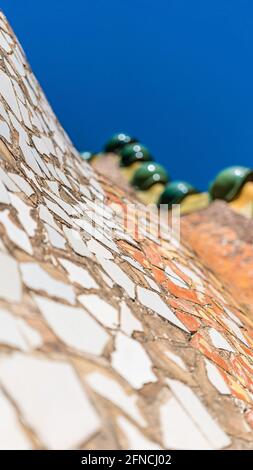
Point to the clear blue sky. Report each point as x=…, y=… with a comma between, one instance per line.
x=178, y=74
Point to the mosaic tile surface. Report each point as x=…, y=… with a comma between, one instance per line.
x=107, y=340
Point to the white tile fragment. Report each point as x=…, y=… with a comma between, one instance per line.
x=15, y=234
x=12, y=436
x=152, y=284
x=5, y=131
x=74, y=326
x=57, y=210
x=101, y=310
x=78, y=274
x=216, y=378
x=4, y=195
x=76, y=242
x=128, y=322
x=47, y=217
x=219, y=341
x=99, y=250
x=24, y=216
x=10, y=285
x=118, y=276
x=6, y=90
x=112, y=391
x=136, y=440
x=175, y=278
x=233, y=316
x=55, y=238
x=37, y=278
x=176, y=359
x=153, y=301
x=94, y=232
x=236, y=330
x=10, y=185
x=199, y=415
x=3, y=43
x=131, y=361
x=9, y=331
x=32, y=337
x=107, y=279
x=23, y=185
x=51, y=399
x=133, y=263
x=179, y=431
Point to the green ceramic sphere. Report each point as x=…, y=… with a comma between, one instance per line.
x=134, y=152
x=175, y=192
x=149, y=174
x=117, y=142
x=229, y=182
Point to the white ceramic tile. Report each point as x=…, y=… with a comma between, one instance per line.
x=216, y=378
x=3, y=113
x=236, y=330
x=5, y=131
x=98, y=249
x=76, y=242
x=47, y=217
x=15, y=234
x=58, y=211
x=106, y=279
x=126, y=237
x=54, y=186
x=131, y=361
x=112, y=391
x=10, y=285
x=10, y=185
x=78, y=274
x=118, y=276
x=219, y=341
x=128, y=322
x=36, y=278
x=6, y=90
x=199, y=415
x=12, y=437
x=25, y=114
x=175, y=278
x=9, y=331
x=63, y=178
x=153, y=301
x=94, y=232
x=177, y=359
x=66, y=207
x=55, y=238
x=179, y=431
x=233, y=316
x=32, y=337
x=136, y=440
x=74, y=326
x=22, y=183
x=23, y=212
x=152, y=284
x=133, y=263
x=17, y=64
x=4, y=195
x=51, y=400
x=3, y=43
x=101, y=310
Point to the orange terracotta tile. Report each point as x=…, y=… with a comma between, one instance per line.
x=191, y=323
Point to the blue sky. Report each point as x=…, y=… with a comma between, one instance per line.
x=178, y=74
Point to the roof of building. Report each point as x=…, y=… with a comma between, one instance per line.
x=111, y=337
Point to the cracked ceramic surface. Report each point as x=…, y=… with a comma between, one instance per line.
x=120, y=341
